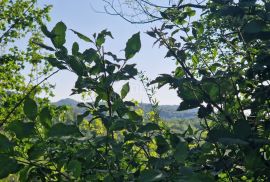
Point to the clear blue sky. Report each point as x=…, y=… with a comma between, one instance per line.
x=79, y=15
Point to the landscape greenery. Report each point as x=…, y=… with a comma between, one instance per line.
x=221, y=50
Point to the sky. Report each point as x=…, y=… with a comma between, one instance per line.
x=80, y=16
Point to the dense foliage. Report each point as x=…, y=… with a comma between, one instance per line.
x=20, y=21
x=222, y=57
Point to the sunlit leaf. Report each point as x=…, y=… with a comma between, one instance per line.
x=133, y=46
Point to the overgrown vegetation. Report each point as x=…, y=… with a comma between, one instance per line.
x=222, y=57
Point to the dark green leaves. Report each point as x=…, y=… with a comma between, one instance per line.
x=242, y=129
x=45, y=117
x=75, y=168
x=76, y=65
x=21, y=129
x=55, y=63
x=125, y=90
x=188, y=104
x=44, y=46
x=8, y=166
x=81, y=36
x=5, y=144
x=60, y=129
x=162, y=144
x=151, y=175
x=59, y=34
x=149, y=127
x=133, y=46
x=181, y=152
x=75, y=48
x=30, y=108
x=101, y=37
x=254, y=26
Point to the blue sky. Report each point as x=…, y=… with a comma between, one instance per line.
x=79, y=15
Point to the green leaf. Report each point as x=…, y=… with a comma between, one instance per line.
x=80, y=117
x=60, y=129
x=148, y=127
x=124, y=91
x=5, y=144
x=55, y=63
x=36, y=151
x=75, y=48
x=242, y=129
x=254, y=26
x=30, y=108
x=162, y=144
x=21, y=129
x=59, y=37
x=218, y=133
x=46, y=32
x=190, y=104
x=133, y=46
x=81, y=36
x=75, y=168
x=205, y=111
x=45, y=117
x=134, y=116
x=101, y=37
x=181, y=152
x=8, y=166
x=76, y=65
x=44, y=46
x=151, y=175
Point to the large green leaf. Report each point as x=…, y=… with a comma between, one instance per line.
x=59, y=37
x=190, y=104
x=45, y=117
x=81, y=36
x=75, y=168
x=242, y=129
x=76, y=65
x=55, y=63
x=151, y=175
x=30, y=108
x=21, y=129
x=8, y=166
x=254, y=26
x=5, y=144
x=162, y=144
x=36, y=151
x=181, y=152
x=61, y=129
x=133, y=46
x=125, y=90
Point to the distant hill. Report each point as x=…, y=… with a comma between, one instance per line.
x=167, y=112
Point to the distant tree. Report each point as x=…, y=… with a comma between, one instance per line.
x=20, y=20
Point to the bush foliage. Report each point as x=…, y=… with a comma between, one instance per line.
x=222, y=57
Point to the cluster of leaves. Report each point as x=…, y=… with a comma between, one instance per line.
x=116, y=144
x=222, y=57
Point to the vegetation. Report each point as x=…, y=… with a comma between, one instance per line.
x=222, y=55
